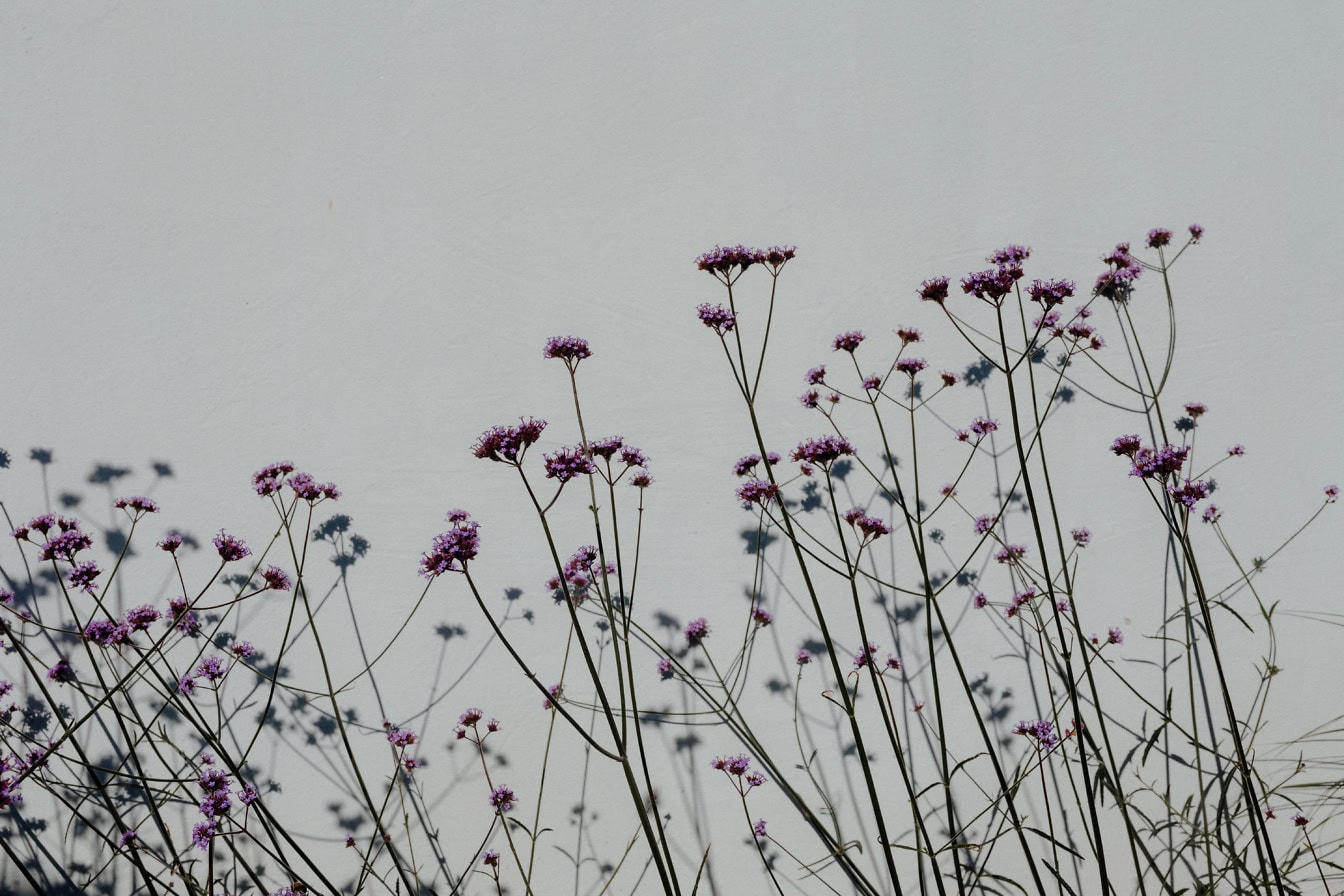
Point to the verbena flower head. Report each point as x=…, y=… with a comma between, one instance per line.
x=934, y=290
x=803, y=657
x=502, y=798
x=451, y=550
x=1117, y=282
x=570, y=349
x=758, y=491
x=664, y=668
x=65, y=545
x=949, y=378
x=308, y=489
x=696, y=631
x=171, y=542
x=723, y=261
x=1042, y=732
x=1115, y=636
x=268, y=479
x=1196, y=409
x=746, y=464
x=568, y=463
x=989, y=285
x=1126, y=446
x=1082, y=537
x=847, y=342
x=276, y=579
x=717, y=318
x=1331, y=494
x=760, y=616
x=1196, y=232
x=908, y=335
x=866, y=655
x=1009, y=256
x=823, y=450
x=641, y=479
x=507, y=444
x=1010, y=553
x=1189, y=493
x=1050, y=292
x=136, y=507
x=816, y=376
x=911, y=366
x=733, y=765
x=230, y=547
x=759, y=827
x=1160, y=463
x=84, y=577
x=1159, y=237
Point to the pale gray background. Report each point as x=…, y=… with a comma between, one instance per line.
x=340, y=234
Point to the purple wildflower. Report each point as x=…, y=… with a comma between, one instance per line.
x=949, y=378
x=1158, y=237
x=570, y=349
x=866, y=655
x=759, y=827
x=491, y=858
x=1115, y=636
x=822, y=450
x=567, y=463
x=664, y=668
x=803, y=657
x=760, y=616
x=979, y=600
x=1042, y=732
x=128, y=839
x=1010, y=553
x=984, y=524
x=507, y=444
x=268, y=479
x=211, y=669
x=641, y=479
x=65, y=545
x=183, y=618
x=1126, y=445
x=61, y=672
x=908, y=335
x=136, y=506
x=721, y=260
x=934, y=290
x=230, y=547
x=1196, y=409
x=990, y=285
x=1082, y=536
x=1196, y=232
x=1237, y=450
x=911, y=366
x=203, y=832
x=502, y=798
x=717, y=318
x=84, y=577
x=1117, y=282
x=242, y=649
x=1160, y=463
x=696, y=631
x=142, y=617
x=1050, y=292
x=171, y=542
x=1331, y=494
x=848, y=341
x=1300, y=820
x=1190, y=493
x=1212, y=514
x=552, y=696
x=816, y=376
x=276, y=579
x=758, y=491
x=451, y=550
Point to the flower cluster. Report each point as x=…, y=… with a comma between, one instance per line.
x=1189, y=493
x=400, y=739
x=451, y=550
x=230, y=547
x=1042, y=732
x=738, y=768
x=110, y=633
x=992, y=284
x=823, y=450
x=1050, y=292
x=749, y=463
x=568, y=463
x=717, y=318
x=870, y=528
x=136, y=506
x=847, y=342
x=579, y=573
x=979, y=428
x=758, y=491
x=728, y=262
x=696, y=631
x=1117, y=282
x=570, y=349
x=934, y=290
x=507, y=444
x=1159, y=463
